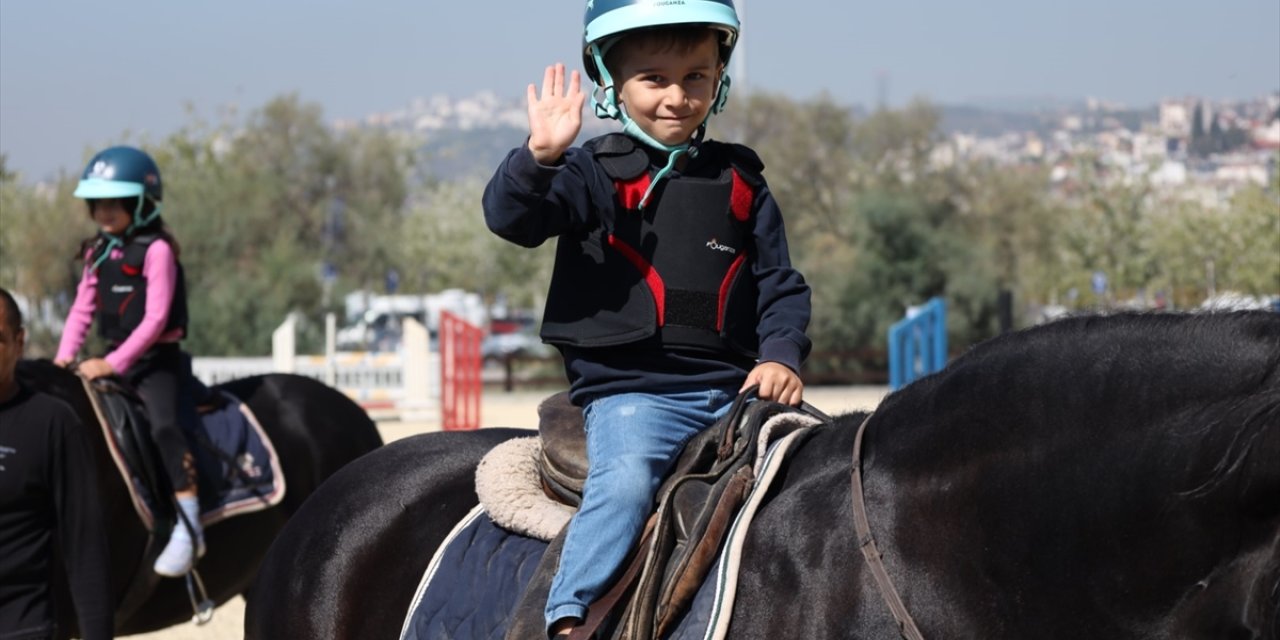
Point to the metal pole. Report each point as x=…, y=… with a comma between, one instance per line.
x=330, y=349
x=1212, y=277
x=740, y=53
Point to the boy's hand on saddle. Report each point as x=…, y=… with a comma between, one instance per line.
x=95, y=368
x=555, y=117
x=777, y=382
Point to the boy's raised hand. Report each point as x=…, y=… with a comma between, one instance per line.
x=555, y=117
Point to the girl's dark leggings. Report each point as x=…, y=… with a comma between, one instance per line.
x=160, y=376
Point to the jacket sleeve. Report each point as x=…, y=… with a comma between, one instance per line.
x=784, y=306
x=80, y=317
x=527, y=203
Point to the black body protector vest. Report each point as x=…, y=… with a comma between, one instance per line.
x=122, y=292
x=678, y=272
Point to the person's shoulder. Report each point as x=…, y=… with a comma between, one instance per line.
x=613, y=143
x=618, y=154
x=742, y=157
x=159, y=245
x=41, y=412
x=52, y=406
x=159, y=251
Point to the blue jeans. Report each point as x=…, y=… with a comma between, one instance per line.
x=632, y=441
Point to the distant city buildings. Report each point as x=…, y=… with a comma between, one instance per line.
x=1189, y=147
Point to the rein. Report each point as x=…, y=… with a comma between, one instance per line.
x=862, y=526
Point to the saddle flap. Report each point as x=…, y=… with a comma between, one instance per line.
x=126, y=422
x=237, y=467
x=699, y=545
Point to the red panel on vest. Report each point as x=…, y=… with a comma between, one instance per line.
x=742, y=198
x=727, y=283
x=130, y=270
x=651, y=277
x=631, y=191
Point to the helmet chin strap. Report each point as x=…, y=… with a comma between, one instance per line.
x=113, y=241
x=608, y=108
x=137, y=220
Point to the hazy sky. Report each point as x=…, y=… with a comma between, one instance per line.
x=76, y=74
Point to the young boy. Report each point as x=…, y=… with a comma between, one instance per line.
x=673, y=288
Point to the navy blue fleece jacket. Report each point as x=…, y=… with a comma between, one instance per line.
x=528, y=203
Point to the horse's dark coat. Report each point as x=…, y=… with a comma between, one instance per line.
x=1095, y=478
x=375, y=523
x=315, y=430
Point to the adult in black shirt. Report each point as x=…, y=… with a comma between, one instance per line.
x=47, y=497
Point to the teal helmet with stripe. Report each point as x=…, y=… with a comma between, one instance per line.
x=125, y=173
x=605, y=20
x=608, y=20
x=121, y=172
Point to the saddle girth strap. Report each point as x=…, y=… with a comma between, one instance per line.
x=862, y=527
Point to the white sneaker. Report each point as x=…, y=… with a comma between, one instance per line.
x=177, y=558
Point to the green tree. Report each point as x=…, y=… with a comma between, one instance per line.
x=41, y=227
x=1198, y=144
x=1108, y=228
x=446, y=245
x=257, y=208
x=875, y=223
x=1009, y=218
x=261, y=207
x=1239, y=244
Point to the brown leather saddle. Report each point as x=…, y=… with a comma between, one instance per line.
x=695, y=506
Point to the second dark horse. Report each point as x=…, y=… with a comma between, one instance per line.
x=315, y=430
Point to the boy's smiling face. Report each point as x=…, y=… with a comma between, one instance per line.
x=668, y=90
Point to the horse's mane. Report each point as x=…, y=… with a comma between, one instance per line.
x=40, y=370
x=46, y=377
x=43, y=375
x=1237, y=351
x=1168, y=385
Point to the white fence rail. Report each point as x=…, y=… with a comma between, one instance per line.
x=407, y=380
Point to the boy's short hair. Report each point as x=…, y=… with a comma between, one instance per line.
x=681, y=38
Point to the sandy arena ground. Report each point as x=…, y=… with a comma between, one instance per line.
x=518, y=409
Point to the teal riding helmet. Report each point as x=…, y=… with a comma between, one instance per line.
x=123, y=172
x=607, y=20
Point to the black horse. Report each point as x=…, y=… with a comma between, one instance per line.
x=315, y=430
x=1099, y=477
